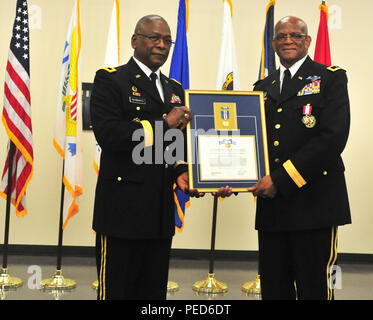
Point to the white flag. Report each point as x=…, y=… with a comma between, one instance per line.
x=67, y=135
x=112, y=45
x=111, y=60
x=228, y=77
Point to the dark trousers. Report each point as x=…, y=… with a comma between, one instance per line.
x=132, y=269
x=298, y=265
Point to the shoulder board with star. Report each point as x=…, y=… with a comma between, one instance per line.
x=334, y=68
x=109, y=69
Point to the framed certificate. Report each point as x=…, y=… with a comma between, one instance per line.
x=227, y=140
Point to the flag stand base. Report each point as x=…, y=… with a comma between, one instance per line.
x=8, y=282
x=210, y=285
x=172, y=286
x=58, y=281
x=252, y=286
x=95, y=285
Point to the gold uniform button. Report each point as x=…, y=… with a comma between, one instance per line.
x=325, y=173
x=138, y=108
x=277, y=160
x=166, y=165
x=278, y=126
x=164, y=115
x=276, y=143
x=279, y=110
x=119, y=178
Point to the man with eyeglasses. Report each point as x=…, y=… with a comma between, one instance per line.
x=134, y=205
x=304, y=199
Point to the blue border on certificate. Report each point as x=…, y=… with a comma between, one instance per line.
x=250, y=116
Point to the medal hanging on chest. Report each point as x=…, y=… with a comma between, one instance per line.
x=308, y=119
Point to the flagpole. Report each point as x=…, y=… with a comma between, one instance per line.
x=210, y=284
x=58, y=281
x=7, y=281
x=60, y=230
x=213, y=236
x=8, y=202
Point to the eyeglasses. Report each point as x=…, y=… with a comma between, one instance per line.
x=295, y=36
x=157, y=38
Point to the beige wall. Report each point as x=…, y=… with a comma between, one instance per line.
x=351, y=49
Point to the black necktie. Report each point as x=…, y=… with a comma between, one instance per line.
x=153, y=77
x=286, y=83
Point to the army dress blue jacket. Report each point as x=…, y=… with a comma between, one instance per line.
x=307, y=131
x=133, y=201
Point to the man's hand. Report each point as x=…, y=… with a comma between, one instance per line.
x=264, y=188
x=179, y=117
x=223, y=192
x=183, y=183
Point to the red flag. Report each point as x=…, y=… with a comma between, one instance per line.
x=16, y=115
x=322, y=49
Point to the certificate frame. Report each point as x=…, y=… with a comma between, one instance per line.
x=226, y=139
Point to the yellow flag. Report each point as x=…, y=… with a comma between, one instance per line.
x=67, y=134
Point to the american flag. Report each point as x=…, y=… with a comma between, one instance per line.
x=16, y=115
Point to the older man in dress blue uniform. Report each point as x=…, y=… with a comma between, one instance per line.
x=304, y=199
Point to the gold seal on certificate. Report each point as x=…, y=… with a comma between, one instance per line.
x=225, y=115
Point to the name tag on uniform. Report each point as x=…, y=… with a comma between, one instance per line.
x=137, y=100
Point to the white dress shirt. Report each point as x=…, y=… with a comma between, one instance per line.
x=148, y=72
x=293, y=69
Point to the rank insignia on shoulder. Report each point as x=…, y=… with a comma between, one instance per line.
x=175, y=99
x=334, y=68
x=109, y=69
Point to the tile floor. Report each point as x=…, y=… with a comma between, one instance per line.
x=357, y=279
